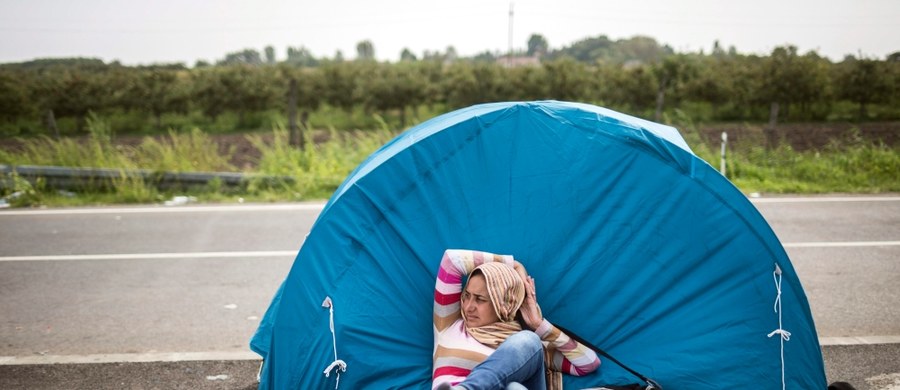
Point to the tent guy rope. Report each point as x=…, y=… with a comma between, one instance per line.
x=338, y=365
x=785, y=335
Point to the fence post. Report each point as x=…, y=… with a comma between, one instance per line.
x=293, y=133
x=51, y=124
x=722, y=161
x=773, y=121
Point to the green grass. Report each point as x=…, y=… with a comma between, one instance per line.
x=847, y=166
x=858, y=169
x=314, y=172
x=853, y=166
x=319, y=168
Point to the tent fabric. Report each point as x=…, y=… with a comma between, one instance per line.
x=635, y=244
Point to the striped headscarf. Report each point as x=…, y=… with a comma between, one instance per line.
x=505, y=288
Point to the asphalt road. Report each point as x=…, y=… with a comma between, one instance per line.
x=156, y=297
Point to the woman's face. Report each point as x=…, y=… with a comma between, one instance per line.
x=476, y=303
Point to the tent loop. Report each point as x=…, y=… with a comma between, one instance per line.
x=338, y=365
x=785, y=335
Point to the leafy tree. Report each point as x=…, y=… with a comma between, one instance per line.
x=432, y=74
x=253, y=90
x=671, y=74
x=240, y=89
x=451, y=55
x=586, y=50
x=636, y=49
x=304, y=91
x=407, y=55
x=528, y=83
x=793, y=80
x=157, y=91
x=629, y=88
x=537, y=45
x=467, y=84
x=740, y=76
x=209, y=91
x=713, y=84
x=565, y=79
x=270, y=55
x=246, y=56
x=339, y=79
x=301, y=56
x=14, y=100
x=59, y=64
x=310, y=86
x=864, y=82
x=717, y=50
x=392, y=87
x=485, y=57
x=642, y=49
x=365, y=51
x=73, y=93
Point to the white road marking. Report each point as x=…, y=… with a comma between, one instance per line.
x=248, y=355
x=318, y=206
x=861, y=340
x=814, y=199
x=144, y=256
x=128, y=357
x=290, y=253
x=839, y=244
x=173, y=209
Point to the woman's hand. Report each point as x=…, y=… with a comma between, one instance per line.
x=531, y=311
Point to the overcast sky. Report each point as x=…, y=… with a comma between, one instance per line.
x=165, y=31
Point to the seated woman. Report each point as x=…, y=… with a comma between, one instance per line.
x=479, y=344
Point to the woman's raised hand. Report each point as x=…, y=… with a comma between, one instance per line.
x=531, y=311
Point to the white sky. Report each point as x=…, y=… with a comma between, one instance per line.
x=163, y=31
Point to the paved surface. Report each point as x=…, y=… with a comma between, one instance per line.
x=135, y=286
x=864, y=366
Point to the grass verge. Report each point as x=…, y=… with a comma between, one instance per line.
x=849, y=166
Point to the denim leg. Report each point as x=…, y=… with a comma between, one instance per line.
x=519, y=359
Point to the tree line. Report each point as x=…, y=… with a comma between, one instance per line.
x=719, y=86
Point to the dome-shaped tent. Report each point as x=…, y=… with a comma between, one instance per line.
x=635, y=243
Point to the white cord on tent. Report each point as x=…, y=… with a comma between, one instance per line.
x=785, y=335
x=338, y=363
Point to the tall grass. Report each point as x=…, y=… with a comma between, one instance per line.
x=181, y=152
x=863, y=168
x=318, y=169
x=97, y=151
x=850, y=165
x=192, y=151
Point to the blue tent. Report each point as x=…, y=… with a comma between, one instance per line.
x=635, y=244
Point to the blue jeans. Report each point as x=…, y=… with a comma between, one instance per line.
x=518, y=363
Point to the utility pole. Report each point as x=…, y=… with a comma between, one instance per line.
x=510, y=37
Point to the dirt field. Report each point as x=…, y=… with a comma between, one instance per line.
x=806, y=136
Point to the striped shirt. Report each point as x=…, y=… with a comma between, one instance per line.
x=456, y=353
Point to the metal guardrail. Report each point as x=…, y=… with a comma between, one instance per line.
x=66, y=178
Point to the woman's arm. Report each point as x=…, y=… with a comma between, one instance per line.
x=456, y=264
x=570, y=356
